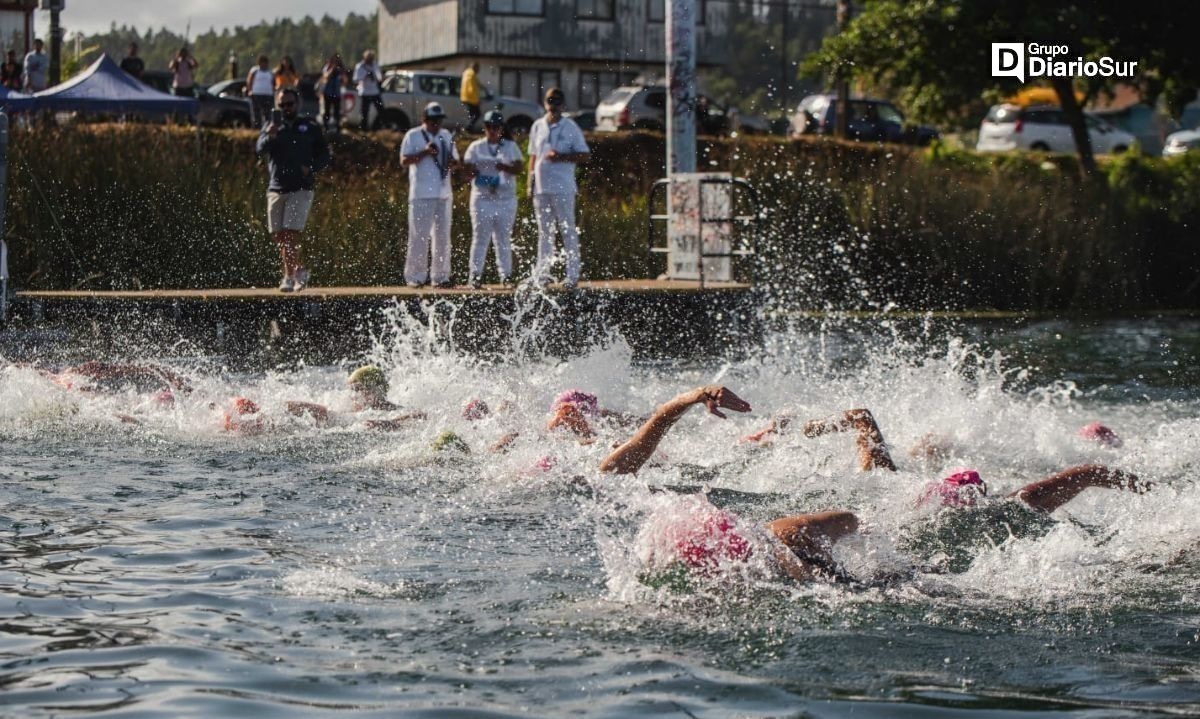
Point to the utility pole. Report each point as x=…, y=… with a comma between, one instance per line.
x=56, y=37
x=842, y=128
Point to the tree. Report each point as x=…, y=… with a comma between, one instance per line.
x=937, y=53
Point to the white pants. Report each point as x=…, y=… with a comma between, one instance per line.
x=492, y=223
x=428, y=220
x=557, y=212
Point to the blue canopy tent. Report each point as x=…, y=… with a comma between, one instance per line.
x=105, y=87
x=12, y=101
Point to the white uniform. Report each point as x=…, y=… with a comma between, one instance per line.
x=493, y=203
x=554, y=192
x=428, y=206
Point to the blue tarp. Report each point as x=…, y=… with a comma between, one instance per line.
x=105, y=87
x=14, y=101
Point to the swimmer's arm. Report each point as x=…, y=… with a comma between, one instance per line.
x=630, y=457
x=779, y=424
x=316, y=411
x=503, y=444
x=393, y=424
x=571, y=417
x=1056, y=490
x=809, y=535
x=872, y=449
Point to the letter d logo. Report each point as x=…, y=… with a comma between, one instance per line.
x=1008, y=60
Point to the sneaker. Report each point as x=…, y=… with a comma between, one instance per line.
x=302, y=278
x=288, y=285
x=475, y=283
x=416, y=285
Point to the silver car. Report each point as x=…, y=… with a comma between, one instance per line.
x=405, y=93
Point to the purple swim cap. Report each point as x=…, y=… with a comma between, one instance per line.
x=960, y=489
x=584, y=401
x=1100, y=434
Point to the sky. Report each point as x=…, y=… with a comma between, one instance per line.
x=91, y=16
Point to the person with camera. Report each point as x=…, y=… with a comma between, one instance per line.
x=494, y=162
x=429, y=153
x=183, y=71
x=556, y=145
x=295, y=150
x=367, y=77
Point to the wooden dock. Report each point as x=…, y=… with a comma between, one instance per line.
x=657, y=318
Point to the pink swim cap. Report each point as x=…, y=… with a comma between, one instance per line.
x=585, y=402
x=960, y=489
x=1100, y=434
x=476, y=409
x=243, y=406
x=710, y=540
x=164, y=398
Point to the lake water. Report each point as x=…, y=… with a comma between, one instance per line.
x=171, y=568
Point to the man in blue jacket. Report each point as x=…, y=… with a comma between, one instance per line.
x=295, y=150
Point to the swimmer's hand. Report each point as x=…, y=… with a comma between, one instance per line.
x=1117, y=479
x=717, y=398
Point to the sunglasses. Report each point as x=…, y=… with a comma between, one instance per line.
x=556, y=101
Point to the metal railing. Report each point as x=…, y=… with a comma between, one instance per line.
x=742, y=244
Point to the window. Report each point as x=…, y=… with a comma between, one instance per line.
x=396, y=83
x=594, y=9
x=528, y=83
x=516, y=7
x=657, y=11
x=595, y=85
x=439, y=85
x=656, y=100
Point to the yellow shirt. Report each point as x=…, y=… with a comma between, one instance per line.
x=469, y=93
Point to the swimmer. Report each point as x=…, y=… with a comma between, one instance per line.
x=97, y=376
x=810, y=537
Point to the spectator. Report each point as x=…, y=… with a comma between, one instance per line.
x=36, y=65
x=494, y=164
x=296, y=150
x=10, y=71
x=556, y=145
x=428, y=152
x=366, y=76
x=469, y=94
x=333, y=77
x=260, y=88
x=285, y=74
x=133, y=64
x=183, y=66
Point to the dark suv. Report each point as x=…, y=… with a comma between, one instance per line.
x=870, y=121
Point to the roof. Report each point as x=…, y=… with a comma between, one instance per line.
x=105, y=87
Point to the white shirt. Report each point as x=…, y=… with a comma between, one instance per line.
x=366, y=75
x=485, y=156
x=35, y=68
x=263, y=82
x=565, y=137
x=428, y=179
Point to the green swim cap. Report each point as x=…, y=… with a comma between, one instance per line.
x=450, y=441
x=369, y=377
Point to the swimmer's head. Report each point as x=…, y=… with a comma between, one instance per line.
x=239, y=417
x=710, y=540
x=369, y=380
x=963, y=488
x=165, y=399
x=1101, y=435
x=584, y=401
x=476, y=409
x=242, y=407
x=448, y=441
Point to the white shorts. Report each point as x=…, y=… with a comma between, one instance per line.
x=288, y=210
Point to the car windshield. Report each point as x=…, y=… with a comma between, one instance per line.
x=439, y=85
x=1003, y=114
x=888, y=113
x=618, y=96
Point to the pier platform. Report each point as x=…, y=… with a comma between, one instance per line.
x=656, y=318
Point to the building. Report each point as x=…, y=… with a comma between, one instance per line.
x=586, y=47
x=16, y=25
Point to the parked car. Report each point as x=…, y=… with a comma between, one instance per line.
x=586, y=119
x=406, y=92
x=870, y=121
x=310, y=104
x=1182, y=142
x=644, y=107
x=215, y=111
x=1044, y=128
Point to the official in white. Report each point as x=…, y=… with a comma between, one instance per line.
x=429, y=154
x=495, y=162
x=556, y=145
